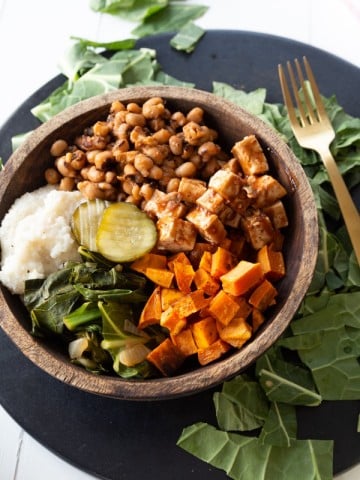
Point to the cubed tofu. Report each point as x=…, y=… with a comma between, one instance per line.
x=226, y=183
x=277, y=214
x=266, y=190
x=250, y=156
x=211, y=201
x=240, y=203
x=229, y=217
x=165, y=205
x=191, y=189
x=258, y=229
x=175, y=234
x=208, y=225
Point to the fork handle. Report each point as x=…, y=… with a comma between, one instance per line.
x=347, y=206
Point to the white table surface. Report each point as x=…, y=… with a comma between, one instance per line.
x=33, y=36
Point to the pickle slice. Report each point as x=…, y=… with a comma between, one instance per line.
x=125, y=233
x=85, y=222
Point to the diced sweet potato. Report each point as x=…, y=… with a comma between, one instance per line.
x=171, y=319
x=166, y=357
x=272, y=263
x=197, y=252
x=244, y=308
x=205, y=261
x=258, y=318
x=213, y=352
x=180, y=257
x=250, y=156
x=151, y=312
x=190, y=303
x=236, y=333
x=204, y=332
x=169, y=296
x=184, y=341
x=221, y=262
x=184, y=276
x=223, y=307
x=160, y=276
x=204, y=281
x=243, y=277
x=263, y=296
x=149, y=260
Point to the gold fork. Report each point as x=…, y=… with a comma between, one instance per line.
x=312, y=129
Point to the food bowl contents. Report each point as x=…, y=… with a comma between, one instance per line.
x=180, y=243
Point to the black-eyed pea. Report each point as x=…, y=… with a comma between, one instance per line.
x=162, y=136
x=208, y=149
x=95, y=175
x=177, y=120
x=143, y=164
x=146, y=191
x=153, y=108
x=176, y=143
x=155, y=172
x=135, y=192
x=156, y=124
x=110, y=177
x=52, y=176
x=196, y=160
x=58, y=148
x=84, y=173
x=186, y=169
x=90, y=155
x=135, y=119
x=78, y=159
x=103, y=159
x=101, y=128
x=117, y=106
x=129, y=170
x=173, y=185
x=210, y=168
x=133, y=107
x=196, y=115
x=67, y=184
x=127, y=186
x=64, y=168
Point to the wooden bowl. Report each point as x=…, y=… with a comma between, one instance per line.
x=24, y=172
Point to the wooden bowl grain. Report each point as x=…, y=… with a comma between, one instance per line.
x=24, y=172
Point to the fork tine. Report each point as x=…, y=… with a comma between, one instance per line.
x=310, y=110
x=317, y=97
x=287, y=96
x=302, y=113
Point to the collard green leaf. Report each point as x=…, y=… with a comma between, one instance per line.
x=169, y=19
x=241, y=405
x=246, y=458
x=126, y=44
x=253, y=101
x=280, y=426
x=187, y=37
x=132, y=10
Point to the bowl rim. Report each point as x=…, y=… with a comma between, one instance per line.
x=204, y=377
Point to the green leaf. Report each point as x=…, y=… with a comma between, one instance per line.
x=170, y=19
x=280, y=427
x=132, y=10
x=246, y=458
x=253, y=101
x=187, y=38
x=241, y=405
x=125, y=44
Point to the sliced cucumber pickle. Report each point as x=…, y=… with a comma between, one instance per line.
x=86, y=220
x=125, y=233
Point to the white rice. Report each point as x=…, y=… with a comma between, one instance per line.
x=36, y=237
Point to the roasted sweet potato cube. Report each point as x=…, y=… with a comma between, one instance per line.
x=169, y=296
x=171, y=319
x=151, y=312
x=223, y=307
x=204, y=281
x=184, y=341
x=263, y=296
x=190, y=303
x=184, y=276
x=166, y=357
x=222, y=261
x=236, y=333
x=272, y=263
x=213, y=352
x=205, y=261
x=244, y=308
x=250, y=156
x=242, y=278
x=199, y=249
x=179, y=257
x=258, y=318
x=160, y=276
x=149, y=260
x=204, y=332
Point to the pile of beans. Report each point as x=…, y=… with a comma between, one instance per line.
x=137, y=149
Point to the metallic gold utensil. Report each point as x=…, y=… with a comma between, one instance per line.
x=313, y=130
